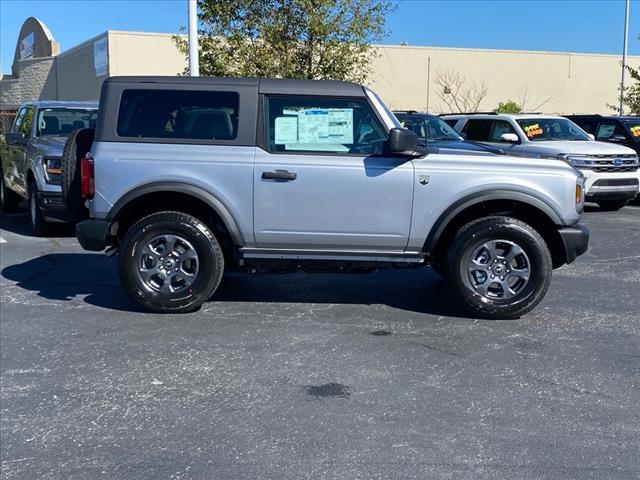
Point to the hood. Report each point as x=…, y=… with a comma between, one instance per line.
x=463, y=145
x=51, y=144
x=578, y=147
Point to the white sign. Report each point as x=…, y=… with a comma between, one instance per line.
x=325, y=125
x=286, y=130
x=26, y=47
x=100, y=56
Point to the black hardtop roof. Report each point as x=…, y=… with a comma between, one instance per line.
x=264, y=85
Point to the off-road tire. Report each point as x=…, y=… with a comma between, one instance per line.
x=39, y=227
x=210, y=261
x=612, y=205
x=473, y=235
x=9, y=200
x=77, y=145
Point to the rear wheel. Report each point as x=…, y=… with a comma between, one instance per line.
x=170, y=262
x=498, y=267
x=39, y=227
x=612, y=205
x=9, y=200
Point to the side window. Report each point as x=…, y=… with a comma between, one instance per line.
x=27, y=121
x=322, y=124
x=17, y=123
x=606, y=130
x=500, y=127
x=178, y=114
x=451, y=123
x=478, y=130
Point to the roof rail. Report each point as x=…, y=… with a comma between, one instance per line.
x=405, y=111
x=468, y=113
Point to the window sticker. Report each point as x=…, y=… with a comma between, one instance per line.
x=606, y=130
x=635, y=131
x=286, y=130
x=325, y=125
x=533, y=130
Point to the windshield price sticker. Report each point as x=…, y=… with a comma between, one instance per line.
x=325, y=125
x=533, y=130
x=635, y=130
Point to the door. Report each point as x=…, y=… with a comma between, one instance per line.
x=322, y=183
x=489, y=132
x=20, y=152
x=15, y=154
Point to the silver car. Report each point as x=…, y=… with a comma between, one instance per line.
x=31, y=156
x=190, y=176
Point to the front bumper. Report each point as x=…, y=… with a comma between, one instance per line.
x=53, y=207
x=575, y=240
x=611, y=186
x=93, y=234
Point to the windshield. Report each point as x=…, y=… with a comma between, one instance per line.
x=429, y=128
x=634, y=128
x=551, y=129
x=62, y=121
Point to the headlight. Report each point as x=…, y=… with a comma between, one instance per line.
x=52, y=169
x=578, y=161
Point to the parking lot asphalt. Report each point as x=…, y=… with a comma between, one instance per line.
x=318, y=376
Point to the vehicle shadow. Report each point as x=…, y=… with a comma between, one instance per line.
x=18, y=223
x=64, y=276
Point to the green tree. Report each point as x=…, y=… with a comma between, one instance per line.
x=630, y=94
x=508, y=107
x=313, y=39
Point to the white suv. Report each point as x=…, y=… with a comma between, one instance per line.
x=612, y=176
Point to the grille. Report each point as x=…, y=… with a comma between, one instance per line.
x=604, y=163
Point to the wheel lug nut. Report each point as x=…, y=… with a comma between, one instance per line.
x=502, y=278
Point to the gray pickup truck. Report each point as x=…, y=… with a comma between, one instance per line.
x=187, y=177
x=30, y=158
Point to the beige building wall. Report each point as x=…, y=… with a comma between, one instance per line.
x=552, y=82
x=77, y=79
x=136, y=53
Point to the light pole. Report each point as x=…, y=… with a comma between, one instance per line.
x=194, y=66
x=624, y=54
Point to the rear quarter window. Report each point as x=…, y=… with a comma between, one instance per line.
x=178, y=114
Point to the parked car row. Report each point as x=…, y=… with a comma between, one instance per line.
x=603, y=151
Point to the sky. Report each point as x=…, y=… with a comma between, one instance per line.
x=588, y=26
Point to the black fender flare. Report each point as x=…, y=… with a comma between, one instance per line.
x=486, y=195
x=180, y=187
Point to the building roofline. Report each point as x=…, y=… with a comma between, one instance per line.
x=505, y=50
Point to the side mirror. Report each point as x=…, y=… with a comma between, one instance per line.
x=618, y=139
x=15, y=138
x=402, y=142
x=591, y=136
x=509, y=137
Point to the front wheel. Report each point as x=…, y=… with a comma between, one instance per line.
x=39, y=227
x=612, y=205
x=498, y=268
x=170, y=262
x=9, y=200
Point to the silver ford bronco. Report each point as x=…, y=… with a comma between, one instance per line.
x=187, y=177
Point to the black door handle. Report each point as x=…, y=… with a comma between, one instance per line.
x=279, y=175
